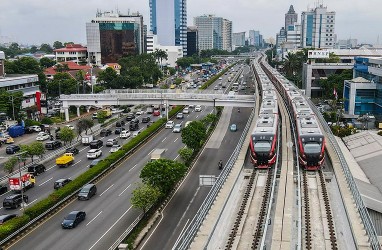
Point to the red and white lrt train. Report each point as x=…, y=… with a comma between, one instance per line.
x=263, y=143
x=311, y=141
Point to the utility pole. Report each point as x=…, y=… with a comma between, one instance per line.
x=13, y=107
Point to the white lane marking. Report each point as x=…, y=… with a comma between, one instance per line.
x=181, y=232
x=27, y=204
x=77, y=162
x=124, y=190
x=197, y=116
x=164, y=139
x=151, y=152
x=111, y=227
x=176, y=157
x=45, y=181
x=132, y=167
x=83, y=149
x=94, y=218
x=50, y=168
x=176, y=139
x=106, y=190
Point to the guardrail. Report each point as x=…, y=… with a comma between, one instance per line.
x=364, y=214
x=112, y=165
x=189, y=233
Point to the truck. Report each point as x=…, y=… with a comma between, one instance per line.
x=108, y=112
x=26, y=181
x=86, y=139
x=65, y=160
x=16, y=131
x=157, y=154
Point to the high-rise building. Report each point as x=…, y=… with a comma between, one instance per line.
x=280, y=37
x=238, y=39
x=290, y=18
x=213, y=32
x=111, y=36
x=210, y=32
x=192, y=40
x=255, y=38
x=317, y=28
x=227, y=35
x=168, y=20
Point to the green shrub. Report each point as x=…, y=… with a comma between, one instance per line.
x=12, y=225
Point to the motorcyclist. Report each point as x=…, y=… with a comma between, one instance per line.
x=238, y=110
x=220, y=164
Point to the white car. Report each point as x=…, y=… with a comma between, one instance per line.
x=139, y=112
x=94, y=153
x=169, y=124
x=70, y=126
x=177, y=128
x=191, y=106
x=220, y=78
x=35, y=128
x=124, y=134
x=135, y=133
x=186, y=111
x=42, y=136
x=115, y=148
x=198, y=108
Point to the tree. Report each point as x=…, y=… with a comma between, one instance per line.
x=46, y=48
x=66, y=135
x=46, y=62
x=84, y=125
x=209, y=119
x=58, y=45
x=144, y=196
x=62, y=83
x=101, y=116
x=186, y=154
x=10, y=103
x=33, y=149
x=160, y=55
x=106, y=77
x=163, y=174
x=33, y=49
x=194, y=135
x=24, y=65
x=10, y=164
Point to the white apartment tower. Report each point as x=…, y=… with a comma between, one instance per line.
x=317, y=28
x=227, y=35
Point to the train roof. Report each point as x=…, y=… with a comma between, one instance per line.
x=308, y=126
x=266, y=124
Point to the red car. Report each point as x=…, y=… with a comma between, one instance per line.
x=156, y=113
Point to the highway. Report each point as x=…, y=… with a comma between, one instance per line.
x=45, y=181
x=108, y=213
x=188, y=198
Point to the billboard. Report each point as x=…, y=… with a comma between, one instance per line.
x=313, y=54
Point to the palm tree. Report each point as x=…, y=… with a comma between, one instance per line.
x=159, y=55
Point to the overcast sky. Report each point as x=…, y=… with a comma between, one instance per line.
x=46, y=21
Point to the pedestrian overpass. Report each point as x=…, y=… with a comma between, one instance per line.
x=166, y=97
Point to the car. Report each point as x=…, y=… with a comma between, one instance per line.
x=60, y=183
x=179, y=116
x=130, y=116
x=35, y=128
x=156, y=113
x=233, y=127
x=177, y=128
x=220, y=78
x=115, y=148
x=95, y=144
x=42, y=136
x=6, y=217
x=186, y=111
x=73, y=219
x=118, y=130
x=36, y=169
x=87, y=191
x=94, y=116
x=191, y=106
x=124, y=134
x=145, y=119
x=3, y=189
x=94, y=153
x=14, y=201
x=169, y=124
x=139, y=112
x=187, y=123
x=135, y=133
x=111, y=142
x=72, y=150
x=133, y=126
x=11, y=149
x=216, y=88
x=198, y=108
x=105, y=132
x=94, y=162
x=71, y=127
x=52, y=145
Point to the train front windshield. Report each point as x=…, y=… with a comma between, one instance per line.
x=262, y=146
x=312, y=148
